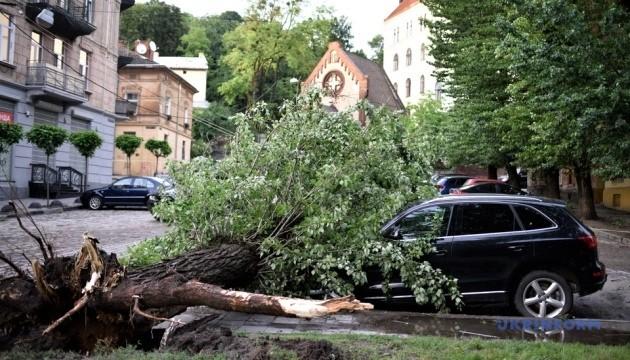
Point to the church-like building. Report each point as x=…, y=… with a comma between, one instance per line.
x=347, y=78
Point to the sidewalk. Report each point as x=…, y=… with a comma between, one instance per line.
x=38, y=206
x=379, y=322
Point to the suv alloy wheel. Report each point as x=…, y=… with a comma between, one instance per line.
x=543, y=294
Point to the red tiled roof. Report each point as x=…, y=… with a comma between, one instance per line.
x=402, y=7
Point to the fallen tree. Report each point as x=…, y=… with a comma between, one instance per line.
x=73, y=303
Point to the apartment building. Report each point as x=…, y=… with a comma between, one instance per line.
x=406, y=60
x=159, y=105
x=58, y=66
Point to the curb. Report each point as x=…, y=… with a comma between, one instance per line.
x=44, y=211
x=609, y=237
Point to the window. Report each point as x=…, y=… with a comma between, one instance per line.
x=130, y=133
x=133, y=98
x=616, y=200
x=507, y=189
x=59, y=51
x=123, y=183
x=186, y=117
x=142, y=183
x=7, y=38
x=423, y=52
x=396, y=87
x=483, y=188
x=167, y=106
x=422, y=84
x=84, y=63
x=408, y=87
x=408, y=57
x=395, y=62
x=166, y=137
x=36, y=47
x=438, y=92
x=532, y=219
x=88, y=10
x=423, y=222
x=485, y=219
x=183, y=150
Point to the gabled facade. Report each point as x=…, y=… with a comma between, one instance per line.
x=192, y=69
x=163, y=104
x=347, y=78
x=406, y=58
x=58, y=63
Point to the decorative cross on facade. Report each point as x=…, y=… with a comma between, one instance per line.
x=334, y=82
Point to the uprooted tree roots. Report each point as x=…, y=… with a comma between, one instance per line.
x=73, y=303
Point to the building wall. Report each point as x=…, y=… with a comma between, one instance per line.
x=617, y=194
x=151, y=122
x=350, y=94
x=97, y=111
x=198, y=79
x=406, y=31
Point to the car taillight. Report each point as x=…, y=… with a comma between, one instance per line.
x=590, y=241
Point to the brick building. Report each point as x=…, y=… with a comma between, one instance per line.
x=161, y=108
x=58, y=63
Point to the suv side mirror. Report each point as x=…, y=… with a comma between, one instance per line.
x=393, y=233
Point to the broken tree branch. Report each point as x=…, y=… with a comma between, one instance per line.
x=40, y=241
x=137, y=311
x=15, y=268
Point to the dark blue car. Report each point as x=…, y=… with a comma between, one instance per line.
x=128, y=191
x=445, y=184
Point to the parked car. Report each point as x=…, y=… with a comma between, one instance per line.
x=445, y=184
x=436, y=177
x=525, y=251
x=128, y=191
x=478, y=180
x=493, y=187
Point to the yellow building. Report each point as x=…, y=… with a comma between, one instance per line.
x=617, y=194
x=159, y=106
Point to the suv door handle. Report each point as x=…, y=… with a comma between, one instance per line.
x=516, y=248
x=441, y=252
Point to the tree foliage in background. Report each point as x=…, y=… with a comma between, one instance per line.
x=87, y=142
x=377, y=45
x=569, y=62
x=128, y=144
x=311, y=198
x=154, y=20
x=464, y=53
x=10, y=134
x=159, y=148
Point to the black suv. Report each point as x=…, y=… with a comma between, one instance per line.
x=527, y=251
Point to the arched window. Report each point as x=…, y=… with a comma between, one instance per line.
x=422, y=84
x=395, y=62
x=408, y=57
x=423, y=52
x=408, y=87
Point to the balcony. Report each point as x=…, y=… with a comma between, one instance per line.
x=125, y=107
x=48, y=82
x=72, y=18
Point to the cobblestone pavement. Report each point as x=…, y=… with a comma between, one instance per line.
x=115, y=229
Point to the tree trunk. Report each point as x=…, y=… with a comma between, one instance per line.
x=85, y=178
x=74, y=303
x=157, y=159
x=513, y=177
x=551, y=178
x=128, y=165
x=586, y=199
x=492, y=172
x=46, y=180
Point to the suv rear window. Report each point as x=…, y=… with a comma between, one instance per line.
x=532, y=219
x=485, y=218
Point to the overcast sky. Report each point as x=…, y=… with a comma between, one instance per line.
x=366, y=16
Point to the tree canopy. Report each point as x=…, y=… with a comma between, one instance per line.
x=155, y=20
x=47, y=137
x=87, y=142
x=10, y=134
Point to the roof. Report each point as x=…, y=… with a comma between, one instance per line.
x=137, y=62
x=380, y=89
x=403, y=6
x=180, y=62
x=495, y=197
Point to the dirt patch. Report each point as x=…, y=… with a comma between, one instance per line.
x=202, y=337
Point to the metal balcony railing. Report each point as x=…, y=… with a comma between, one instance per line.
x=72, y=18
x=43, y=74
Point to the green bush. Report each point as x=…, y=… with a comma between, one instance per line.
x=311, y=199
x=10, y=134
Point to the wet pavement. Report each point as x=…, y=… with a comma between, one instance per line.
x=406, y=324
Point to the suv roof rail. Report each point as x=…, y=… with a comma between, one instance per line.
x=496, y=197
